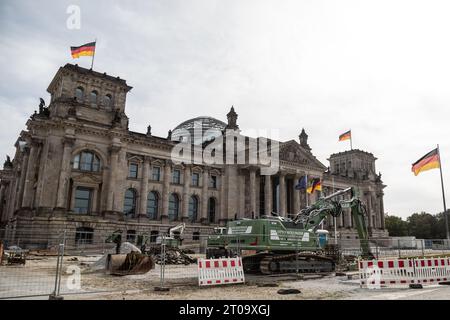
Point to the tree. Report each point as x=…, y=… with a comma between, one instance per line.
x=396, y=226
x=422, y=225
x=440, y=230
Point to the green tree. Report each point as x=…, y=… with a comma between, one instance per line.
x=439, y=229
x=396, y=226
x=422, y=225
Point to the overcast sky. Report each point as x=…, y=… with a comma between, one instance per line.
x=381, y=68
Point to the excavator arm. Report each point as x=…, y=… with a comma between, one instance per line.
x=358, y=212
x=312, y=216
x=179, y=228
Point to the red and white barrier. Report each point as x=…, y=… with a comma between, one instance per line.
x=382, y=273
x=432, y=270
x=220, y=271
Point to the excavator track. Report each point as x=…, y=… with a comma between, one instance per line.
x=289, y=263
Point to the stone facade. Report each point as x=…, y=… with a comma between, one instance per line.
x=77, y=165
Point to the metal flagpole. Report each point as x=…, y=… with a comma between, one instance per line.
x=351, y=146
x=443, y=194
x=92, y=64
x=306, y=190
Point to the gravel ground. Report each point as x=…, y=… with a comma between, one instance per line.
x=37, y=277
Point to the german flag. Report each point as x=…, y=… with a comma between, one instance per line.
x=346, y=135
x=429, y=161
x=87, y=49
x=315, y=185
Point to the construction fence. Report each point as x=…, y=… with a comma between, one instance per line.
x=43, y=266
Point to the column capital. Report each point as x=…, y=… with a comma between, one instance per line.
x=168, y=162
x=35, y=142
x=148, y=159
x=68, y=141
x=253, y=168
x=114, y=148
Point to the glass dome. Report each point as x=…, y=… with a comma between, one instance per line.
x=199, y=126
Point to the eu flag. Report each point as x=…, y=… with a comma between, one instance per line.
x=301, y=183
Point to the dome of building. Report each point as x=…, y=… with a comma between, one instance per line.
x=199, y=125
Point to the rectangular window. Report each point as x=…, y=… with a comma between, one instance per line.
x=213, y=182
x=133, y=171
x=84, y=235
x=176, y=176
x=195, y=179
x=156, y=174
x=83, y=197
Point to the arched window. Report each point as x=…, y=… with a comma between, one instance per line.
x=79, y=94
x=86, y=161
x=174, y=205
x=193, y=209
x=212, y=210
x=93, y=97
x=129, y=205
x=152, y=205
x=107, y=101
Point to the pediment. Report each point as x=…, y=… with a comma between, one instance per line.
x=87, y=177
x=291, y=151
x=135, y=158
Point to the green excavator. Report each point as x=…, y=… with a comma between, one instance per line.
x=274, y=244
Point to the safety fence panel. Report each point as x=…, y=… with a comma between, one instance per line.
x=220, y=271
x=435, y=270
x=388, y=273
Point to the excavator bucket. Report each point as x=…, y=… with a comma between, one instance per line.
x=129, y=264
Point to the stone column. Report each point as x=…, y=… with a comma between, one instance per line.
x=165, y=193
x=282, y=194
x=21, y=181
x=2, y=196
x=186, y=193
x=296, y=195
x=204, y=210
x=268, y=195
x=252, y=191
x=12, y=196
x=61, y=200
x=382, y=225
x=144, y=189
x=349, y=218
x=29, y=178
x=110, y=200
x=221, y=216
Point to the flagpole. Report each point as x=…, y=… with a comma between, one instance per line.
x=92, y=63
x=351, y=146
x=443, y=194
x=306, y=190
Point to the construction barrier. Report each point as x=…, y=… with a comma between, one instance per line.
x=384, y=273
x=220, y=271
x=432, y=270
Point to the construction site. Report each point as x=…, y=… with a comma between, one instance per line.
x=223, y=150
x=267, y=258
